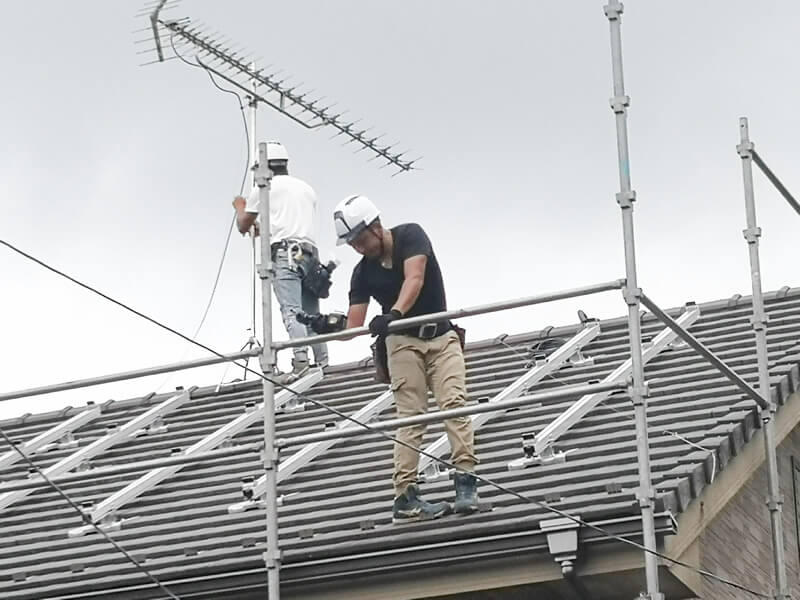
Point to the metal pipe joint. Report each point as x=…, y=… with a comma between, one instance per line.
x=626, y=199
x=619, y=104
x=614, y=11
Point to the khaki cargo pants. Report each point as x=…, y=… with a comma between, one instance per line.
x=416, y=366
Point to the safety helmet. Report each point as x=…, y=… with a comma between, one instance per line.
x=276, y=151
x=352, y=216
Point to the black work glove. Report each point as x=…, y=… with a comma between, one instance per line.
x=380, y=324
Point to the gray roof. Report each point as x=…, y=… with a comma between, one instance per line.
x=338, y=521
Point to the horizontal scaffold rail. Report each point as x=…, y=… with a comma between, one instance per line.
x=124, y=376
x=456, y=314
x=342, y=335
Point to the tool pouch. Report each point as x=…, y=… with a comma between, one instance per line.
x=315, y=277
x=380, y=359
x=461, y=333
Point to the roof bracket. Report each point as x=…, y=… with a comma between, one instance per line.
x=294, y=404
x=67, y=442
x=550, y=455
x=433, y=472
x=158, y=426
x=579, y=360
x=107, y=524
x=252, y=503
x=677, y=344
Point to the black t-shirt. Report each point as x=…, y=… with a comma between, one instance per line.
x=370, y=279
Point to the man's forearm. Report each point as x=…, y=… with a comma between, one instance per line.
x=408, y=295
x=244, y=221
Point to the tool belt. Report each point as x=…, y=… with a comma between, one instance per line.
x=380, y=356
x=286, y=244
x=427, y=331
x=314, y=276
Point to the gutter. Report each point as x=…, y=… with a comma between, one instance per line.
x=343, y=570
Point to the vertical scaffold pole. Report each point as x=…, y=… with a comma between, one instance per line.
x=752, y=235
x=253, y=104
x=272, y=555
x=632, y=294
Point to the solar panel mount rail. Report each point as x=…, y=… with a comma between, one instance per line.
x=115, y=435
x=58, y=436
x=540, y=448
x=104, y=513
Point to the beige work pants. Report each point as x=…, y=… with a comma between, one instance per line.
x=416, y=366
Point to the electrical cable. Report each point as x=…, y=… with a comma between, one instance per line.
x=85, y=518
x=331, y=409
x=241, y=191
x=244, y=176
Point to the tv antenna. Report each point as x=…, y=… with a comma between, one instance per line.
x=230, y=62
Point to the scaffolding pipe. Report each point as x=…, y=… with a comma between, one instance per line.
x=774, y=179
x=625, y=198
x=395, y=326
x=705, y=352
x=751, y=235
x=82, y=383
x=145, y=465
x=253, y=149
x=272, y=555
x=342, y=335
x=434, y=417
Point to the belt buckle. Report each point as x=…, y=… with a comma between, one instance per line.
x=428, y=331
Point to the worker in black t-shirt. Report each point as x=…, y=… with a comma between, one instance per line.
x=399, y=269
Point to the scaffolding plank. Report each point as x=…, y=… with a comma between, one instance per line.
x=547, y=436
x=308, y=453
x=118, y=435
x=552, y=363
x=152, y=478
x=51, y=435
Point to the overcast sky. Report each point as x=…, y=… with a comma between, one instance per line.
x=123, y=175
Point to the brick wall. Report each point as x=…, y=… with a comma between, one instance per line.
x=737, y=544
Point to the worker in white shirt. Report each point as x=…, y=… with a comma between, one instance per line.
x=300, y=280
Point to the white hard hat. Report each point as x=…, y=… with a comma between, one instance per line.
x=352, y=216
x=276, y=151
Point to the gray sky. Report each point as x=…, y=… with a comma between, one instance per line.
x=123, y=175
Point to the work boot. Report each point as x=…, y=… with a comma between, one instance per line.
x=409, y=507
x=300, y=365
x=300, y=368
x=466, y=493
